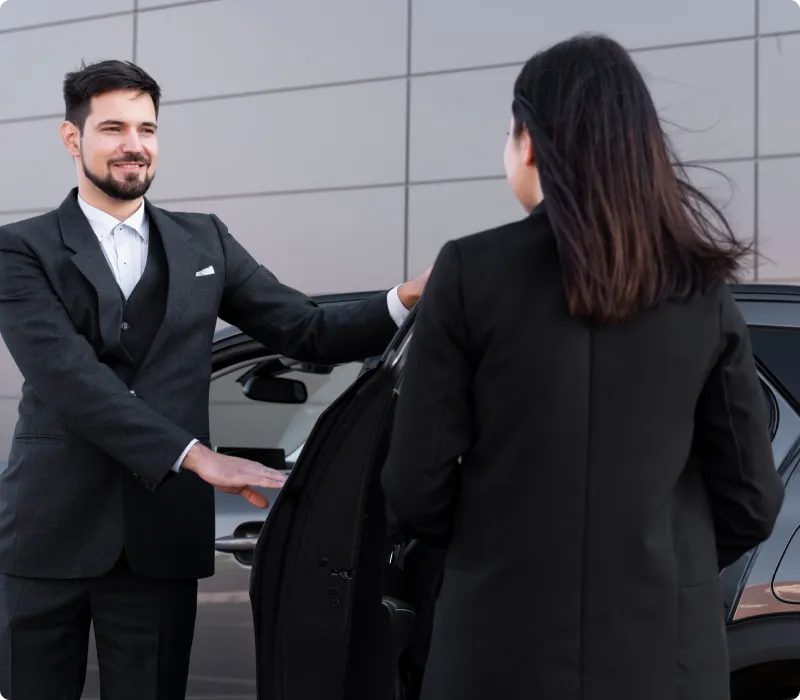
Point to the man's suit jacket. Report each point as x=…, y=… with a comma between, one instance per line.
x=89, y=471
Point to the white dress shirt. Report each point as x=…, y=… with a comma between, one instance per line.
x=125, y=245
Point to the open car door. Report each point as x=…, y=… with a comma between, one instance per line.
x=327, y=597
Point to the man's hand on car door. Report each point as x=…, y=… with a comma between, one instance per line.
x=233, y=474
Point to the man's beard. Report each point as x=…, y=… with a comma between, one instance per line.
x=126, y=190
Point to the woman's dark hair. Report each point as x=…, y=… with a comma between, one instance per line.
x=632, y=231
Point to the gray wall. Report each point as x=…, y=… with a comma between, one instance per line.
x=344, y=141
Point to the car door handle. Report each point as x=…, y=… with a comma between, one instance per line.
x=233, y=544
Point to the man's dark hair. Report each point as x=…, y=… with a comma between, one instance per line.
x=98, y=78
x=632, y=230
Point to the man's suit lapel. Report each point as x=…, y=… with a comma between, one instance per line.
x=182, y=265
x=88, y=257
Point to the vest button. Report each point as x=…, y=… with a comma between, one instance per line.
x=125, y=325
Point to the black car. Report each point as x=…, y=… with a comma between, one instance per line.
x=324, y=601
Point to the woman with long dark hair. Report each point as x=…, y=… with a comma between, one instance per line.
x=580, y=422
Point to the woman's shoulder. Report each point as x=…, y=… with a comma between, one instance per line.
x=507, y=238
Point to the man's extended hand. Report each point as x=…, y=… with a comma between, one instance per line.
x=233, y=474
x=411, y=291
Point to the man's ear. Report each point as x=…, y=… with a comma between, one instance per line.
x=71, y=137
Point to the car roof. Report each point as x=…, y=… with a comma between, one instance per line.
x=766, y=292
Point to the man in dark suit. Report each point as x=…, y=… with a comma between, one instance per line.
x=108, y=306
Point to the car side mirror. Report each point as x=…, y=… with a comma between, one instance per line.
x=275, y=389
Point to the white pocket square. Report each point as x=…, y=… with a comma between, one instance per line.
x=205, y=271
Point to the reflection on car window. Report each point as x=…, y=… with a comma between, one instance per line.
x=239, y=422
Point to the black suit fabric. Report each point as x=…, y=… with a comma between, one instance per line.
x=587, y=482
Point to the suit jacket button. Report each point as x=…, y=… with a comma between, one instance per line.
x=125, y=325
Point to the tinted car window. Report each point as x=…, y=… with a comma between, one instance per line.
x=778, y=349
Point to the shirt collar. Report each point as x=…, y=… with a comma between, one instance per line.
x=103, y=224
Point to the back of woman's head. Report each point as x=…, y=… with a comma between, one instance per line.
x=631, y=230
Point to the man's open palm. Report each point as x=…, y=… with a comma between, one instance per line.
x=234, y=474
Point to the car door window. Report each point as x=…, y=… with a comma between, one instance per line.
x=280, y=429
